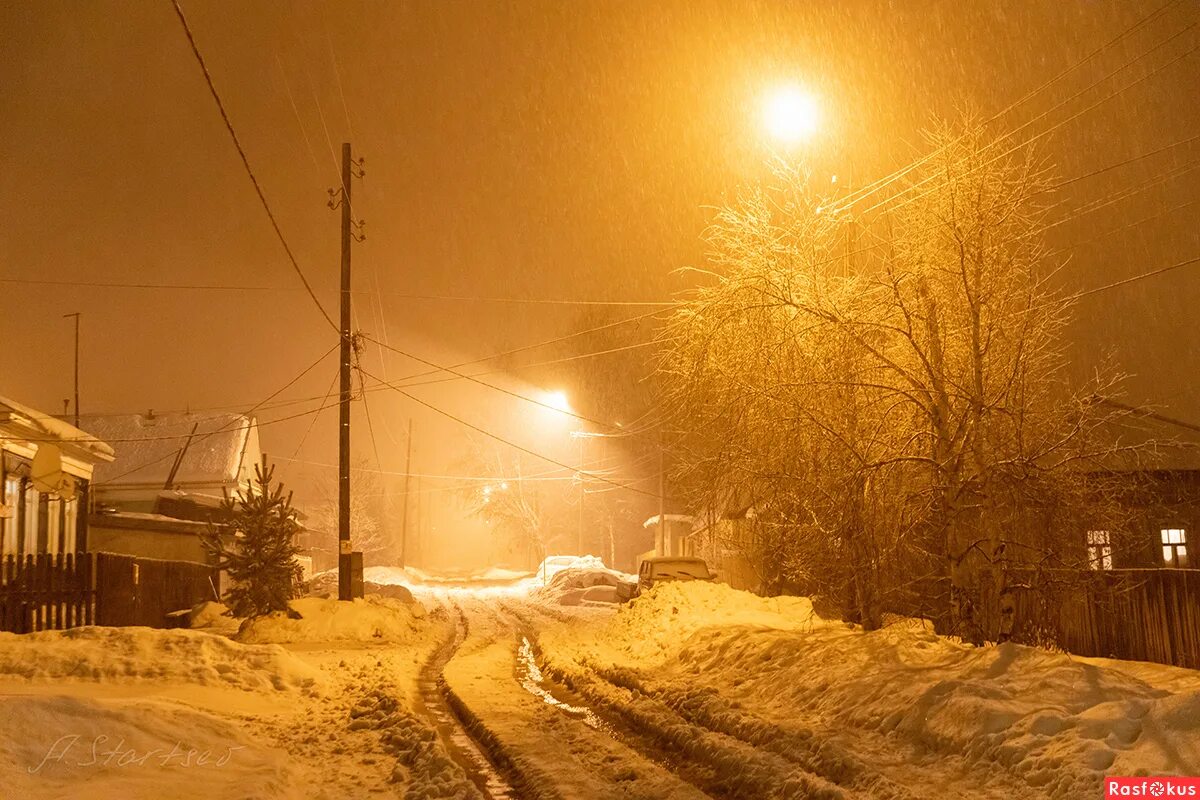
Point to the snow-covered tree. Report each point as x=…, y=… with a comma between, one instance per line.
x=369, y=529
x=256, y=546
x=897, y=414
x=515, y=506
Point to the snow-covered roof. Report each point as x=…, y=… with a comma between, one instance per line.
x=40, y=426
x=214, y=448
x=650, y=523
x=1154, y=441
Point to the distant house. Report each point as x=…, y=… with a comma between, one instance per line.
x=171, y=474
x=670, y=531
x=1163, y=485
x=46, y=471
x=168, y=458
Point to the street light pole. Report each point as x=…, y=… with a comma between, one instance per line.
x=579, y=543
x=75, y=314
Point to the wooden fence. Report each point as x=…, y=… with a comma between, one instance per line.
x=1138, y=614
x=54, y=592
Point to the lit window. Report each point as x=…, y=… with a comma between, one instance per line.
x=1174, y=547
x=1099, y=550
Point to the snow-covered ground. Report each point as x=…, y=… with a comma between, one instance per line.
x=496, y=688
x=133, y=713
x=895, y=712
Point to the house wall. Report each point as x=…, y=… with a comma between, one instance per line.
x=33, y=522
x=724, y=545
x=168, y=541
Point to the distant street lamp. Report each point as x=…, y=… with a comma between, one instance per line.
x=791, y=115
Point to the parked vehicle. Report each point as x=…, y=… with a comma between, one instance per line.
x=664, y=568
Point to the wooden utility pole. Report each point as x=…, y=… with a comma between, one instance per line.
x=662, y=494
x=75, y=314
x=404, y=513
x=419, y=530
x=345, y=591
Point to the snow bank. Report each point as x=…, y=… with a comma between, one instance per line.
x=326, y=620
x=212, y=616
x=656, y=624
x=757, y=667
x=64, y=747
x=132, y=655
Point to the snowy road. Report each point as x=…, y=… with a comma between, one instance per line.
x=553, y=728
x=544, y=745
x=692, y=691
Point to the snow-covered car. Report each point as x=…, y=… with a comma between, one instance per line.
x=575, y=586
x=553, y=565
x=665, y=568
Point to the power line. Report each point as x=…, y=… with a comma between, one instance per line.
x=577, y=357
x=537, y=345
x=246, y=162
x=1135, y=278
x=494, y=387
x=882, y=183
x=225, y=428
x=532, y=301
x=324, y=404
x=1055, y=126
x=662, y=304
x=502, y=440
x=1126, y=162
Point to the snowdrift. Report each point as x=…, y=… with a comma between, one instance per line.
x=375, y=619
x=1054, y=722
x=134, y=655
x=65, y=747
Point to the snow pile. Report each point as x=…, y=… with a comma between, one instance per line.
x=61, y=747
x=656, y=624
x=212, y=616
x=133, y=655
x=325, y=620
x=769, y=671
x=575, y=586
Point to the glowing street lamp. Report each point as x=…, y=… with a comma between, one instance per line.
x=557, y=400
x=791, y=115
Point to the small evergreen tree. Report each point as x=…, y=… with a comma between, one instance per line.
x=262, y=558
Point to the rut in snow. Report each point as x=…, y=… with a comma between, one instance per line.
x=453, y=721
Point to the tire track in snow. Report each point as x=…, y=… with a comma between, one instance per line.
x=615, y=766
x=718, y=764
x=471, y=747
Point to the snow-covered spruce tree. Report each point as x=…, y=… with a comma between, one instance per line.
x=261, y=559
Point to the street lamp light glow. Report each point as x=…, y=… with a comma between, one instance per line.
x=791, y=114
x=558, y=401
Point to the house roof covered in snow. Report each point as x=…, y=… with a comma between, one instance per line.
x=1148, y=440
x=25, y=424
x=680, y=518
x=183, y=450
